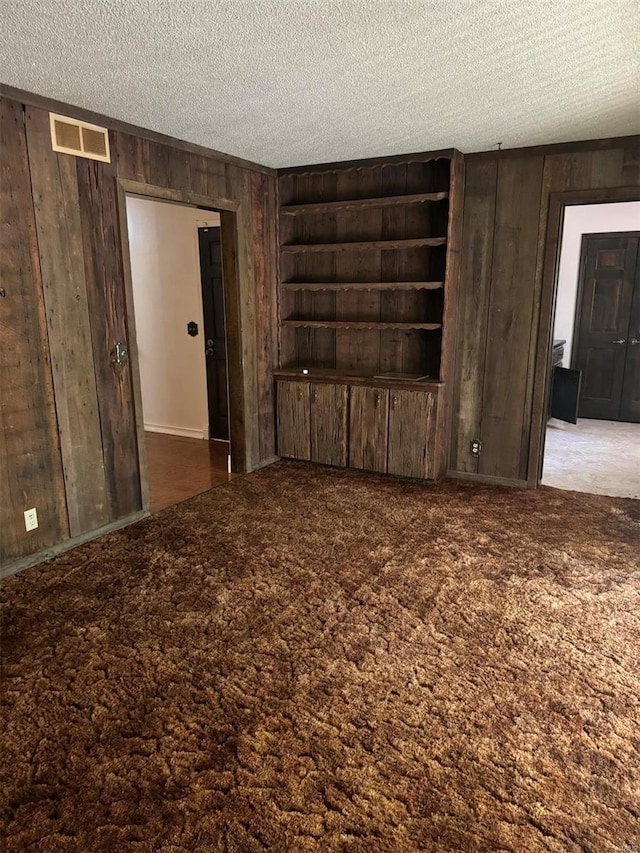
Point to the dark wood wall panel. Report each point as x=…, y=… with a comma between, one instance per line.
x=506, y=209
x=78, y=243
x=57, y=212
x=30, y=462
x=510, y=316
x=105, y=293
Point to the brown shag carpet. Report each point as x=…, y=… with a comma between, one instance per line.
x=309, y=659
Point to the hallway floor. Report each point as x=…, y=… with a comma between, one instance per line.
x=599, y=457
x=180, y=468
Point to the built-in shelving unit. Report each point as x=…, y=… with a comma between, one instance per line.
x=361, y=203
x=368, y=264
x=357, y=324
x=362, y=285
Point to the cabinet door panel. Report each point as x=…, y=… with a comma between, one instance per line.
x=294, y=429
x=411, y=433
x=368, y=425
x=329, y=424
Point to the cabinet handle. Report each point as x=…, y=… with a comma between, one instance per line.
x=377, y=400
x=634, y=341
x=394, y=400
x=299, y=393
x=315, y=395
x=621, y=341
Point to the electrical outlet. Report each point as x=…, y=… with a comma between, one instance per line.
x=30, y=519
x=476, y=447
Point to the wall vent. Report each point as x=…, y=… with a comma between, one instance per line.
x=71, y=136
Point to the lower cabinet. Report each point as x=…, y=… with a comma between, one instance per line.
x=329, y=406
x=294, y=420
x=312, y=422
x=368, y=428
x=411, y=434
x=372, y=429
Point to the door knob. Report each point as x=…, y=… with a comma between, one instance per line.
x=621, y=341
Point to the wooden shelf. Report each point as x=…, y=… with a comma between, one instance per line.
x=363, y=285
x=357, y=324
x=361, y=203
x=414, y=243
x=347, y=377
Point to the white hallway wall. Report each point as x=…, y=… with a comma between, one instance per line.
x=165, y=270
x=579, y=220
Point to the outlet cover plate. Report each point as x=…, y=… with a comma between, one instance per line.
x=30, y=519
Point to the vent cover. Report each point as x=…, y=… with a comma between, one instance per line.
x=71, y=136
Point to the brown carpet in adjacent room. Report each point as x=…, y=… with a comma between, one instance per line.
x=309, y=659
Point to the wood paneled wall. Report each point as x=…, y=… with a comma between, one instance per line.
x=504, y=231
x=67, y=422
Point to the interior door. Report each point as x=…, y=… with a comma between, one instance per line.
x=630, y=403
x=214, y=331
x=602, y=322
x=329, y=424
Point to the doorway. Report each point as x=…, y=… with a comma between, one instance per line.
x=591, y=429
x=184, y=417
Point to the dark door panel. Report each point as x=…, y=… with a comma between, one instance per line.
x=565, y=394
x=630, y=405
x=602, y=322
x=214, y=331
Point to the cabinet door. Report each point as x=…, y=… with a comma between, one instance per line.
x=368, y=424
x=294, y=430
x=329, y=424
x=411, y=433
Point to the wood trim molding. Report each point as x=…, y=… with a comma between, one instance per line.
x=176, y=196
x=557, y=203
x=556, y=148
x=370, y=162
x=487, y=479
x=66, y=545
x=229, y=227
x=44, y=103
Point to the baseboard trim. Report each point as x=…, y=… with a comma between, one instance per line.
x=264, y=462
x=170, y=430
x=53, y=551
x=488, y=479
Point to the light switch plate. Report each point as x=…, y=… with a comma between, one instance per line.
x=30, y=519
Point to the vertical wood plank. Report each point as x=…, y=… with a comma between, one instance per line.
x=57, y=214
x=411, y=426
x=264, y=216
x=368, y=428
x=475, y=288
x=30, y=463
x=355, y=349
x=329, y=405
x=510, y=319
x=108, y=317
x=294, y=424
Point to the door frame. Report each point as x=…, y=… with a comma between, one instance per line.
x=232, y=284
x=558, y=202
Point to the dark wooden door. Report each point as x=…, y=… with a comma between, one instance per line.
x=368, y=428
x=329, y=405
x=411, y=426
x=215, y=342
x=630, y=403
x=605, y=296
x=294, y=420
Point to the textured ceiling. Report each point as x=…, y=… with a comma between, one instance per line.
x=287, y=82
